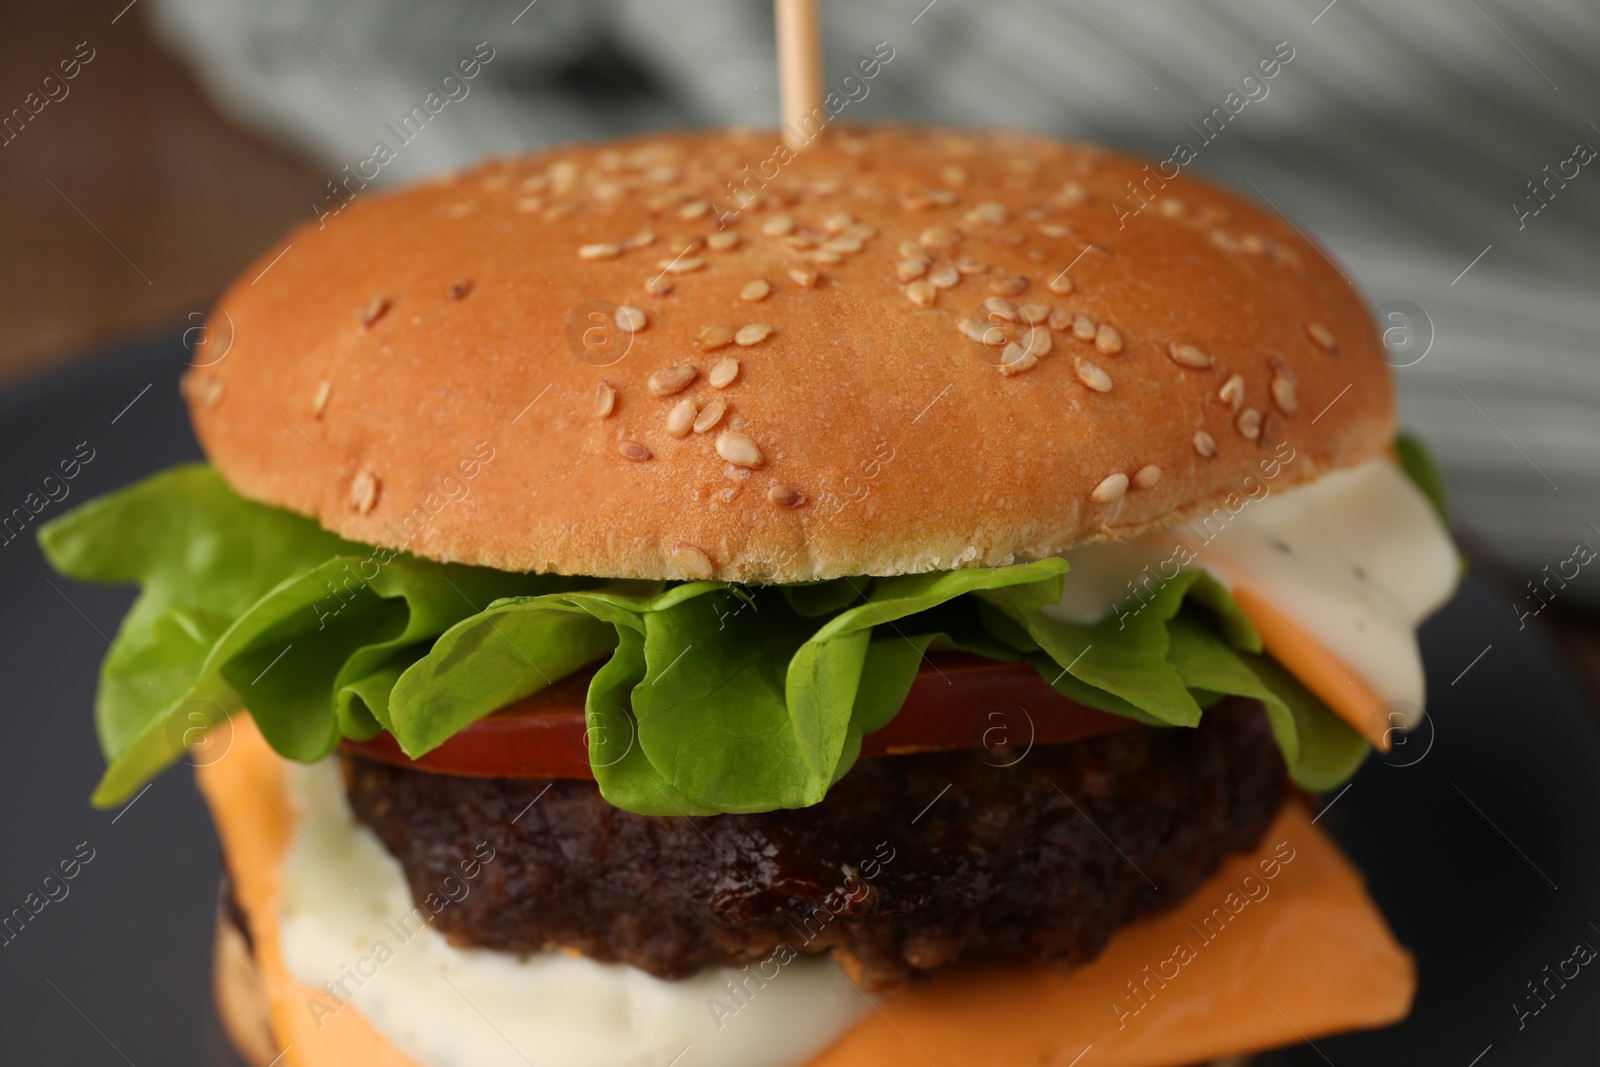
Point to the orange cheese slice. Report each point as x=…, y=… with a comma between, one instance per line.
x=1352, y=699
x=1278, y=946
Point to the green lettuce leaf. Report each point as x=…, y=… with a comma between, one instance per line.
x=724, y=700
x=1419, y=465
x=708, y=697
x=244, y=604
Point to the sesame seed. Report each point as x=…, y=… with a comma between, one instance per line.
x=982, y=332
x=376, y=308
x=915, y=202
x=1249, y=423
x=1205, y=444
x=605, y=400
x=777, y=226
x=1107, y=339
x=752, y=334
x=724, y=241
x=910, y=250
x=631, y=318
x=599, y=251
x=1034, y=314
x=1061, y=284
x=1283, y=395
x=1224, y=240
x=838, y=223
x=1147, y=477
x=954, y=175
x=756, y=291
x=682, y=265
x=842, y=244
x=1319, y=333
x=803, y=276
x=681, y=417
x=694, y=561
x=1052, y=229
x=320, y=401
x=1084, y=328
x=944, y=276
x=564, y=172
x=786, y=496
x=716, y=335
x=939, y=237
x=1271, y=425
x=208, y=389
x=922, y=293
x=738, y=449
x=1189, y=356
x=1002, y=307
x=942, y=197
x=1038, y=342
x=971, y=265
x=1009, y=286
x=1110, y=489
x=1060, y=319
x=1014, y=359
x=827, y=257
x=1232, y=392
x=641, y=239
x=723, y=372
x=695, y=210
x=669, y=380
x=990, y=211
x=1171, y=208
x=460, y=289
x=908, y=270
x=1092, y=375
x=1254, y=244
x=529, y=204
x=711, y=415
x=1072, y=193
x=364, y=491
x=862, y=232
x=633, y=450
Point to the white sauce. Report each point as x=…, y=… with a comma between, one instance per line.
x=1355, y=560
x=443, y=1006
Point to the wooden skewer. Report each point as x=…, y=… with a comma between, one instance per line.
x=799, y=68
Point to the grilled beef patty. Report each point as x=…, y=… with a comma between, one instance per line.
x=911, y=862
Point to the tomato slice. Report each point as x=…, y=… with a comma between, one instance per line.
x=999, y=710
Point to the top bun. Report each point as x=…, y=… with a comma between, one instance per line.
x=440, y=369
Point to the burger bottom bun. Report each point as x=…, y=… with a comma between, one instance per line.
x=241, y=1004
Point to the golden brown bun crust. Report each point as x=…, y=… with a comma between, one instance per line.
x=358, y=385
x=241, y=1005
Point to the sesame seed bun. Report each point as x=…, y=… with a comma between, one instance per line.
x=915, y=349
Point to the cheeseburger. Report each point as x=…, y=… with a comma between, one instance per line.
x=680, y=601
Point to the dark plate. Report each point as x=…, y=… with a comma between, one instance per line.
x=1477, y=834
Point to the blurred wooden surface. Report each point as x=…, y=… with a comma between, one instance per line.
x=181, y=198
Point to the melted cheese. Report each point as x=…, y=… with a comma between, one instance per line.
x=1336, y=575
x=1303, y=953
